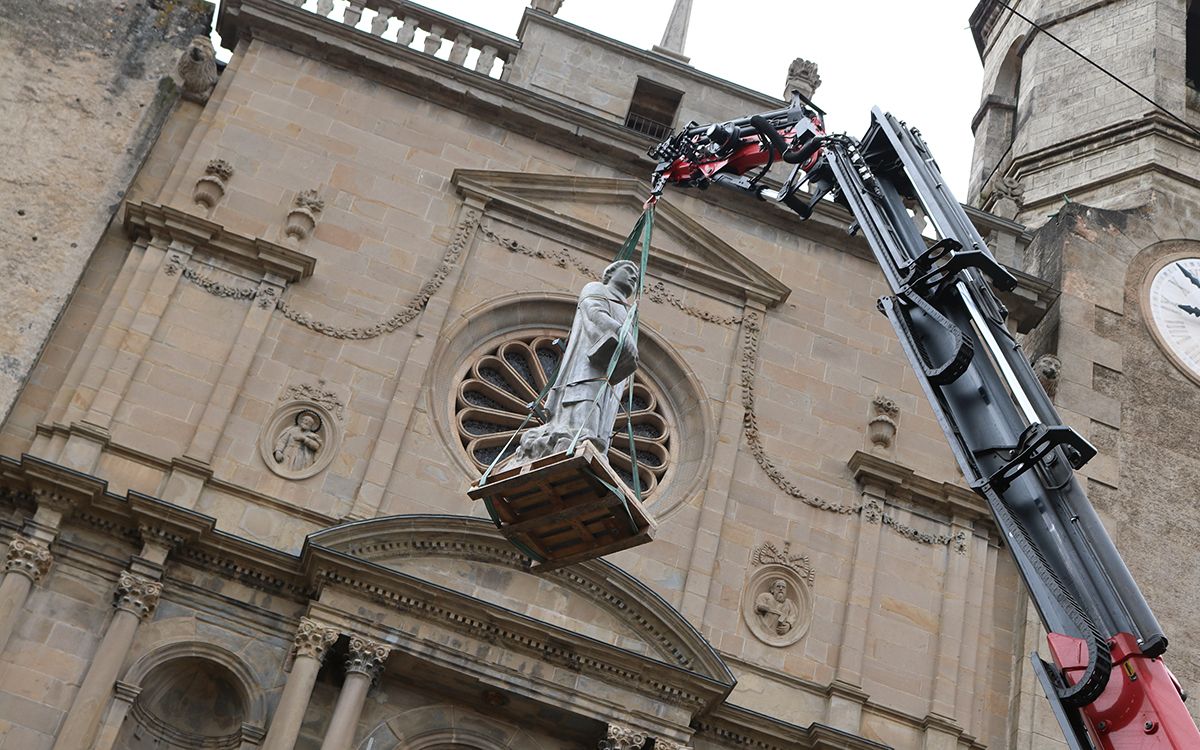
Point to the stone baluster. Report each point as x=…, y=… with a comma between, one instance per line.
x=363, y=666
x=26, y=564
x=311, y=643
x=433, y=42
x=487, y=59
x=324, y=8
x=462, y=45
x=135, y=599
x=380, y=21
x=354, y=13
x=408, y=31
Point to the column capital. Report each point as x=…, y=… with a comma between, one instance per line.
x=137, y=594
x=661, y=744
x=313, y=639
x=29, y=558
x=623, y=738
x=366, y=657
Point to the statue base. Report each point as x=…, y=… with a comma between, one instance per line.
x=566, y=508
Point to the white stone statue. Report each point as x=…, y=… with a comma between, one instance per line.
x=297, y=446
x=775, y=610
x=581, y=396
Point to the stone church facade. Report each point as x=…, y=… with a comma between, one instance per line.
x=234, y=484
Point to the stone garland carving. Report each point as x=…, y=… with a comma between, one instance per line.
x=216, y=288
x=623, y=738
x=173, y=265
x=268, y=298
x=462, y=234
x=313, y=639
x=656, y=291
x=316, y=393
x=367, y=657
x=137, y=594
x=29, y=558
x=752, y=328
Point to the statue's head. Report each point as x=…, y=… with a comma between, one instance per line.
x=623, y=274
x=779, y=589
x=308, y=420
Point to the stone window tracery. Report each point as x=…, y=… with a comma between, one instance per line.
x=505, y=377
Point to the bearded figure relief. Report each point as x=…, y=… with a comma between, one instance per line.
x=775, y=609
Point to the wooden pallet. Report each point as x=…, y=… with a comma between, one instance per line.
x=558, y=507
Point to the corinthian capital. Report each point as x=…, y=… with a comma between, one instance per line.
x=137, y=594
x=366, y=657
x=661, y=744
x=313, y=639
x=623, y=738
x=29, y=558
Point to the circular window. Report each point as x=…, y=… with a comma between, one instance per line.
x=505, y=377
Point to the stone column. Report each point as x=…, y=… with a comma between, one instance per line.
x=310, y=646
x=363, y=666
x=135, y=599
x=26, y=564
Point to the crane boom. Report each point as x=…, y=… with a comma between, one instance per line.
x=1107, y=685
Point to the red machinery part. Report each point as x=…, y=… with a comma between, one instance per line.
x=1141, y=707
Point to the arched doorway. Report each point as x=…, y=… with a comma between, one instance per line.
x=186, y=703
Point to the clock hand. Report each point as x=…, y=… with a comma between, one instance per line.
x=1190, y=310
x=1190, y=276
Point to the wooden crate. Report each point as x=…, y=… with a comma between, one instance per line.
x=558, y=507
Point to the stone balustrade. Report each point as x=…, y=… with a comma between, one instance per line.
x=424, y=30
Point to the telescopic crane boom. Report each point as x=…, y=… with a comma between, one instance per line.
x=1107, y=685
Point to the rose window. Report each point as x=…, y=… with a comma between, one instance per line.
x=493, y=400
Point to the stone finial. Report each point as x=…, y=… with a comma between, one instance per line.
x=622, y=738
x=674, y=37
x=1010, y=195
x=210, y=188
x=28, y=558
x=1047, y=368
x=313, y=639
x=137, y=594
x=802, y=76
x=881, y=430
x=546, y=6
x=302, y=219
x=197, y=70
x=367, y=657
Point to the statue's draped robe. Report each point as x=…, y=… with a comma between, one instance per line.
x=600, y=313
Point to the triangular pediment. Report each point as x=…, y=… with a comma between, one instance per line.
x=683, y=249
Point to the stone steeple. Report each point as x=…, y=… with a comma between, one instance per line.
x=675, y=36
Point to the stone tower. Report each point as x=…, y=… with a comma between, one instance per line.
x=1058, y=125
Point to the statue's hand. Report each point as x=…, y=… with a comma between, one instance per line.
x=278, y=456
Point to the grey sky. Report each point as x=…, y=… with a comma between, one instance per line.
x=915, y=59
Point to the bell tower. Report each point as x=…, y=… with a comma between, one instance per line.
x=1052, y=124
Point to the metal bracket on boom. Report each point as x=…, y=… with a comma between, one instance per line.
x=1035, y=444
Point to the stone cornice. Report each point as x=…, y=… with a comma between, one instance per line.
x=254, y=253
x=897, y=480
x=735, y=726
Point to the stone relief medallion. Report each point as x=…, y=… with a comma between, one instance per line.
x=300, y=439
x=777, y=603
x=505, y=376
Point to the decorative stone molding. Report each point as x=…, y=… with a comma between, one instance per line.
x=211, y=187
x=137, y=594
x=777, y=601
x=802, y=76
x=197, y=70
x=546, y=6
x=28, y=558
x=367, y=657
x=623, y=738
x=302, y=219
x=213, y=287
x=462, y=234
x=174, y=264
x=661, y=744
x=1047, y=368
x=300, y=439
x=317, y=393
x=313, y=639
x=881, y=430
x=1009, y=196
x=268, y=295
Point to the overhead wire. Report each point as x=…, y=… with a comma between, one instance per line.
x=1187, y=125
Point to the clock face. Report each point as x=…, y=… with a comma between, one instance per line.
x=1173, y=307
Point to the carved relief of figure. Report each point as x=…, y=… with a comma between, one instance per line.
x=297, y=447
x=581, y=396
x=775, y=610
x=197, y=70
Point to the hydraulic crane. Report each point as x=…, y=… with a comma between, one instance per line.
x=1107, y=685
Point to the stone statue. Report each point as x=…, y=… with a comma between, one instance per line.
x=297, y=447
x=802, y=76
x=197, y=70
x=776, y=612
x=581, y=396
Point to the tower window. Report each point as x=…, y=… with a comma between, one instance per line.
x=653, y=108
x=1193, y=45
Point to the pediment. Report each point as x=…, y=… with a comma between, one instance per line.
x=683, y=249
x=594, y=601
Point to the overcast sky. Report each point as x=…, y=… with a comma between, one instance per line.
x=916, y=59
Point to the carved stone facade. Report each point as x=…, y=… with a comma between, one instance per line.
x=338, y=282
